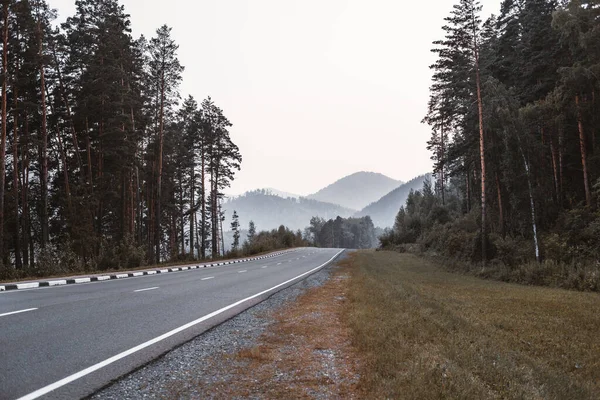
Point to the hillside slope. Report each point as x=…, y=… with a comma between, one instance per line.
x=357, y=190
x=383, y=212
x=269, y=211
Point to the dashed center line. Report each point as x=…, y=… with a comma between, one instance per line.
x=17, y=312
x=145, y=290
x=278, y=263
x=266, y=266
x=241, y=272
x=207, y=278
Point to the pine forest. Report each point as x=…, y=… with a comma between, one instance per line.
x=102, y=164
x=514, y=112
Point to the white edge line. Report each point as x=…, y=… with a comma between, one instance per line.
x=17, y=312
x=145, y=290
x=108, y=361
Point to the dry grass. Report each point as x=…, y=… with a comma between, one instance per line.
x=304, y=354
x=429, y=334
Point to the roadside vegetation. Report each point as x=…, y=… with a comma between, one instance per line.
x=515, y=143
x=128, y=256
x=425, y=333
x=102, y=164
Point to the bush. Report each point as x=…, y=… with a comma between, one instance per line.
x=54, y=261
x=124, y=255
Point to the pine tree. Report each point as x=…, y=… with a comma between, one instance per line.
x=251, y=232
x=235, y=228
x=165, y=75
x=3, y=121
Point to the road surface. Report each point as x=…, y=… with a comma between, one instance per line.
x=69, y=341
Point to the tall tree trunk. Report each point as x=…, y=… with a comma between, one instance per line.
x=481, y=149
x=532, y=206
x=197, y=238
x=65, y=101
x=192, y=213
x=44, y=141
x=4, y=123
x=213, y=215
x=555, y=170
x=468, y=189
x=138, y=199
x=88, y=149
x=221, y=228
x=583, y=149
x=63, y=159
x=160, y=166
x=25, y=194
x=500, y=206
x=182, y=214
x=203, y=201
x=561, y=163
x=442, y=162
x=15, y=152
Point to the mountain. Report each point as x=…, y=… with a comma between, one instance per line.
x=383, y=212
x=281, y=193
x=357, y=190
x=269, y=211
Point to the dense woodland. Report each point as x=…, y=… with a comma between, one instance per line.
x=515, y=115
x=251, y=241
x=101, y=164
x=342, y=233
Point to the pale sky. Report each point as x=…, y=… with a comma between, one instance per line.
x=315, y=89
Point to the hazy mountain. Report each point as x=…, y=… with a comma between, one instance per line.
x=281, y=193
x=383, y=212
x=269, y=211
x=357, y=190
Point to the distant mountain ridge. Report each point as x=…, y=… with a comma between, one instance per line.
x=357, y=190
x=269, y=211
x=383, y=211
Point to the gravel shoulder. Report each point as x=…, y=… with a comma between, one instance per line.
x=292, y=345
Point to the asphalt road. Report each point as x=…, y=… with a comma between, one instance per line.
x=69, y=341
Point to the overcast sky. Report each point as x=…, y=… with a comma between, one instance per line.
x=315, y=89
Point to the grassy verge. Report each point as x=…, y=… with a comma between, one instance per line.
x=429, y=334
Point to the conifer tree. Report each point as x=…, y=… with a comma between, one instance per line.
x=235, y=228
x=165, y=76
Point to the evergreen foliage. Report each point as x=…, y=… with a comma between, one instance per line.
x=98, y=159
x=539, y=64
x=348, y=233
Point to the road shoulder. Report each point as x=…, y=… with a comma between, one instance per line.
x=292, y=345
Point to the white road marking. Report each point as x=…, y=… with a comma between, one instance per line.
x=264, y=267
x=115, y=358
x=278, y=263
x=145, y=290
x=210, y=277
x=241, y=272
x=17, y=312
